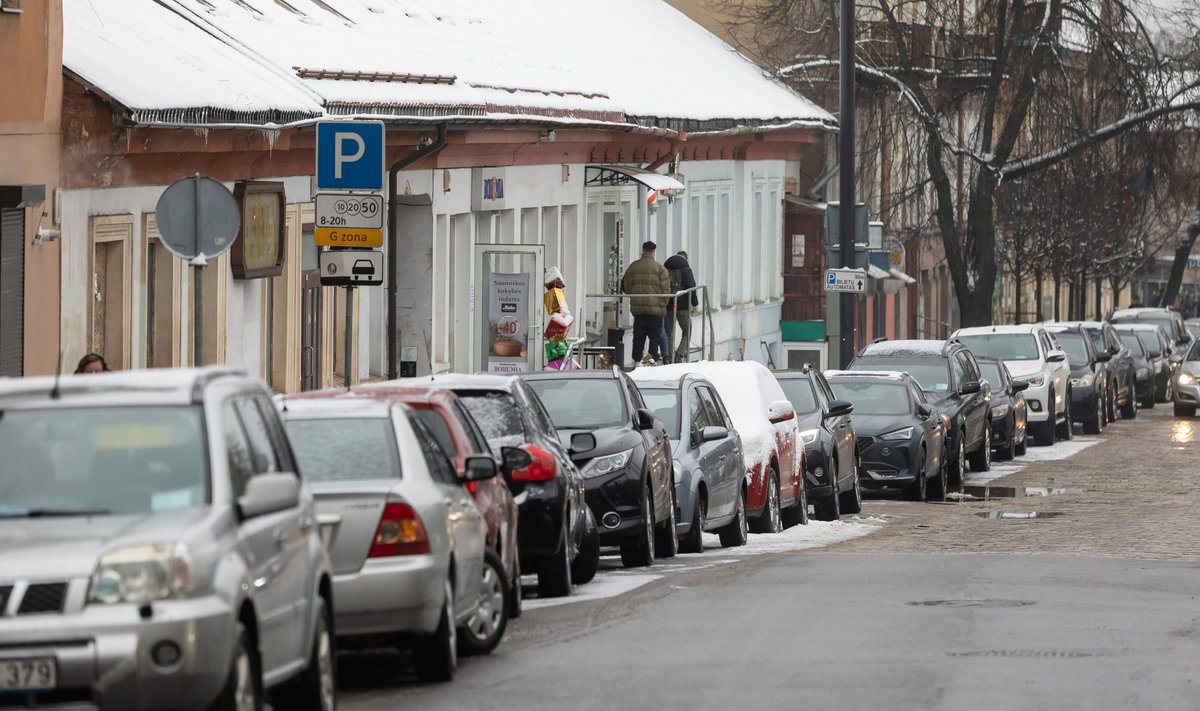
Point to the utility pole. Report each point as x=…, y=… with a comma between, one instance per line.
x=846, y=175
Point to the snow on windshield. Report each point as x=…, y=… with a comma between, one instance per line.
x=498, y=417
x=933, y=374
x=1005, y=346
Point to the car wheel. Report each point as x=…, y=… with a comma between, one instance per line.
x=1148, y=402
x=516, y=591
x=916, y=490
x=797, y=513
x=938, y=487
x=1095, y=423
x=243, y=687
x=693, y=542
x=1004, y=451
x=1182, y=410
x=1129, y=410
x=435, y=656
x=1112, y=402
x=666, y=539
x=852, y=500
x=1020, y=446
x=482, y=633
x=1043, y=432
x=981, y=459
x=829, y=508
x=768, y=521
x=554, y=573
x=639, y=552
x=734, y=533
x=587, y=562
x=1063, y=430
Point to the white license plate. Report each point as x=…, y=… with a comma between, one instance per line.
x=28, y=674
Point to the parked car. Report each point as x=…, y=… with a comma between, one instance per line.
x=1158, y=351
x=406, y=539
x=556, y=534
x=1143, y=366
x=1033, y=356
x=628, y=474
x=1187, y=383
x=460, y=439
x=709, y=479
x=1010, y=412
x=1120, y=370
x=771, y=451
x=1089, y=377
x=1169, y=320
x=154, y=532
x=826, y=431
x=1193, y=327
x=900, y=435
x=950, y=377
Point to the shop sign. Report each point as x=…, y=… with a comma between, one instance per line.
x=259, y=249
x=508, y=323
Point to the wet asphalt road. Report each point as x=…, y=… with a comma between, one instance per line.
x=868, y=624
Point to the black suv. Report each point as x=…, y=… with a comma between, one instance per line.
x=830, y=461
x=628, y=475
x=1119, y=370
x=949, y=375
x=1090, y=387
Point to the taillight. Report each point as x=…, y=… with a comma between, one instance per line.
x=542, y=468
x=400, y=532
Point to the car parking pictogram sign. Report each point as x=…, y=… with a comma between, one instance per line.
x=350, y=155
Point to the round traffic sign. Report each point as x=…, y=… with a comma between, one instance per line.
x=197, y=216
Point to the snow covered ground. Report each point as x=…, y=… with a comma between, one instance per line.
x=1059, y=451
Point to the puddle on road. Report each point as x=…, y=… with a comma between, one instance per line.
x=1018, y=515
x=1017, y=492
x=1048, y=491
x=972, y=602
x=1183, y=432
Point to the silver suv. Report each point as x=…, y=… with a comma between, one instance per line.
x=157, y=548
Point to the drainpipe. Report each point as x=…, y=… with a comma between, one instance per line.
x=393, y=288
x=814, y=192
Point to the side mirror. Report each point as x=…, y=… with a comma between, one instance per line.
x=1056, y=356
x=970, y=387
x=515, y=458
x=924, y=410
x=837, y=408
x=268, y=493
x=780, y=411
x=644, y=419
x=1019, y=385
x=1183, y=341
x=584, y=442
x=478, y=468
x=1103, y=356
x=712, y=433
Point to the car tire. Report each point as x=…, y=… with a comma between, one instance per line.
x=981, y=459
x=852, y=500
x=830, y=507
x=516, y=592
x=1021, y=445
x=435, y=656
x=483, y=632
x=1095, y=424
x=1182, y=410
x=769, y=521
x=693, y=542
x=1130, y=408
x=917, y=490
x=1043, y=432
x=244, y=686
x=797, y=513
x=587, y=562
x=1004, y=452
x=735, y=533
x=937, y=487
x=666, y=538
x=1112, y=403
x=639, y=552
x=1063, y=431
x=1148, y=402
x=959, y=472
x=554, y=573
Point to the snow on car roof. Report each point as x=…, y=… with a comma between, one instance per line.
x=904, y=347
x=1138, y=310
x=983, y=330
x=888, y=374
x=1137, y=326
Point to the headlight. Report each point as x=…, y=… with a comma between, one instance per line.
x=1085, y=381
x=1186, y=378
x=140, y=574
x=809, y=436
x=677, y=468
x=1035, y=381
x=1001, y=411
x=608, y=464
x=898, y=434
x=1143, y=372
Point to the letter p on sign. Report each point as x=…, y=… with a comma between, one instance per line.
x=350, y=155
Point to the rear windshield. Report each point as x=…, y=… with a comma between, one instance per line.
x=439, y=428
x=1151, y=341
x=932, y=373
x=1132, y=340
x=1005, y=346
x=582, y=404
x=664, y=402
x=498, y=417
x=339, y=448
x=991, y=374
x=102, y=460
x=800, y=393
x=873, y=397
x=1074, y=346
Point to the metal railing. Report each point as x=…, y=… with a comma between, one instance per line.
x=705, y=346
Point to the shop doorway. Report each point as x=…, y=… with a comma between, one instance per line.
x=508, y=308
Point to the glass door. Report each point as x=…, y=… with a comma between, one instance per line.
x=507, y=306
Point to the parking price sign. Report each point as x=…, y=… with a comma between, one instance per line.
x=851, y=281
x=352, y=211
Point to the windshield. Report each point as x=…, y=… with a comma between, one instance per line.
x=1132, y=340
x=664, y=402
x=800, y=392
x=1075, y=347
x=1151, y=341
x=110, y=460
x=873, y=397
x=583, y=403
x=1005, y=346
x=498, y=417
x=335, y=449
x=1194, y=329
x=991, y=373
x=1193, y=354
x=933, y=374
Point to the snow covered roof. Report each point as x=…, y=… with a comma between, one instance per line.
x=884, y=374
x=904, y=347
x=189, y=62
x=982, y=330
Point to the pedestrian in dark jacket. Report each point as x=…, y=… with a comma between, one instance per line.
x=647, y=276
x=680, y=274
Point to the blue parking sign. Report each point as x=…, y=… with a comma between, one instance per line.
x=350, y=155
x=830, y=278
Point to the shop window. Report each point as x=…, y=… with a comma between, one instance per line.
x=111, y=312
x=12, y=292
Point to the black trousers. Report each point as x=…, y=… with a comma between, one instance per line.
x=683, y=317
x=646, y=327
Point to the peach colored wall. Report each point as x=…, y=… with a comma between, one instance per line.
x=30, y=111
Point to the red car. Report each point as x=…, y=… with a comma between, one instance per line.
x=458, y=434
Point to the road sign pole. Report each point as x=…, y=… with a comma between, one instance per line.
x=349, y=332
x=846, y=173
x=198, y=315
